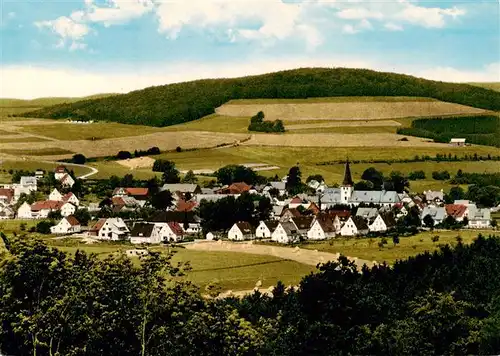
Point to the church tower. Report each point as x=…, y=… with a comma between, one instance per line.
x=346, y=187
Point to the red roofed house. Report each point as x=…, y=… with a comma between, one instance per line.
x=289, y=214
x=71, y=198
x=60, y=172
x=185, y=206
x=67, y=225
x=457, y=211
x=6, y=195
x=172, y=231
x=295, y=203
x=139, y=194
x=41, y=209
x=235, y=188
x=110, y=229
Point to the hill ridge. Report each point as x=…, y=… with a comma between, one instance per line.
x=187, y=101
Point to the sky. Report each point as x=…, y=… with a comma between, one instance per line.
x=83, y=47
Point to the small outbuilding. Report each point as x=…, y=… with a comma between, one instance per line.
x=457, y=141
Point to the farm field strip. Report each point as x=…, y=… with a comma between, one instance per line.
x=362, y=124
x=347, y=110
x=332, y=99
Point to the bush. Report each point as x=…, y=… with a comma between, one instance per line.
x=124, y=155
x=443, y=175
x=79, y=159
x=416, y=175
x=178, y=149
x=43, y=227
x=257, y=123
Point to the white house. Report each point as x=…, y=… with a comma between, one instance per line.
x=41, y=209
x=71, y=198
x=110, y=229
x=67, y=225
x=172, y=231
x=24, y=211
x=6, y=212
x=323, y=228
x=241, y=231
x=265, y=229
x=60, y=172
x=479, y=218
x=354, y=226
x=382, y=223
x=67, y=181
x=146, y=233
x=55, y=195
x=285, y=233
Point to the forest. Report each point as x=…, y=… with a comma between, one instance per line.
x=441, y=303
x=182, y=102
x=481, y=130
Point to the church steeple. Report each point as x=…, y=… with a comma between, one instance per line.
x=347, y=175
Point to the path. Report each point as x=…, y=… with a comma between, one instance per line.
x=85, y=176
x=308, y=257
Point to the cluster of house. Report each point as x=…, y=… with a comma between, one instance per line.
x=305, y=216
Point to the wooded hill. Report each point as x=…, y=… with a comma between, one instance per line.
x=177, y=103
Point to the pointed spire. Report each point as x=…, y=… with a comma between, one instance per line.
x=347, y=175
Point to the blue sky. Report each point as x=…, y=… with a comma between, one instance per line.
x=80, y=47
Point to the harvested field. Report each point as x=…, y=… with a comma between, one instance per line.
x=164, y=140
x=135, y=163
x=339, y=140
x=358, y=110
x=52, y=151
x=21, y=138
x=382, y=123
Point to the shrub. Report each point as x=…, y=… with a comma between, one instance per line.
x=178, y=149
x=124, y=155
x=43, y=227
x=79, y=159
x=435, y=238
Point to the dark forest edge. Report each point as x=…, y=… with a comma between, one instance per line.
x=480, y=130
x=446, y=303
x=183, y=102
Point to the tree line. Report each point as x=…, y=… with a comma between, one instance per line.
x=192, y=100
x=257, y=123
x=441, y=303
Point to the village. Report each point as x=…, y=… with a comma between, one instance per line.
x=320, y=214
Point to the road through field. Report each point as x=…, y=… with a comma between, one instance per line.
x=308, y=257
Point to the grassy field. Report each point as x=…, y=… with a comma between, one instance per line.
x=109, y=168
x=367, y=108
x=334, y=99
x=41, y=102
x=492, y=85
x=23, y=139
x=214, y=123
x=38, y=152
x=308, y=158
x=408, y=246
x=101, y=130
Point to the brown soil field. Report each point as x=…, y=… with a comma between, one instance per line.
x=348, y=110
x=135, y=163
x=339, y=140
x=356, y=123
x=166, y=141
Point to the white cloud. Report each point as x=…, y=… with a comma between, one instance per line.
x=117, y=11
x=395, y=12
x=32, y=82
x=67, y=29
x=391, y=26
x=349, y=29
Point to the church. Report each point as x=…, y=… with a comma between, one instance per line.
x=346, y=195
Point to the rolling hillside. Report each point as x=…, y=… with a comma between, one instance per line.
x=491, y=85
x=177, y=103
x=49, y=101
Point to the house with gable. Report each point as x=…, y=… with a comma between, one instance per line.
x=382, y=223
x=354, y=226
x=303, y=224
x=437, y=213
x=235, y=188
x=241, y=231
x=67, y=225
x=145, y=233
x=183, y=188
x=41, y=209
x=6, y=211
x=71, y=198
x=7, y=195
x=140, y=195
x=60, y=172
x=113, y=229
x=24, y=211
x=55, y=195
x=323, y=228
x=289, y=214
x=458, y=211
x=279, y=186
x=367, y=213
x=434, y=197
x=265, y=229
x=285, y=233
x=172, y=232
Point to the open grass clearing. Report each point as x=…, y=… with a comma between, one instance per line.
x=491, y=85
x=214, y=123
x=359, y=125
x=353, y=109
x=368, y=249
x=100, y=130
x=54, y=151
x=21, y=138
x=226, y=270
x=112, y=168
